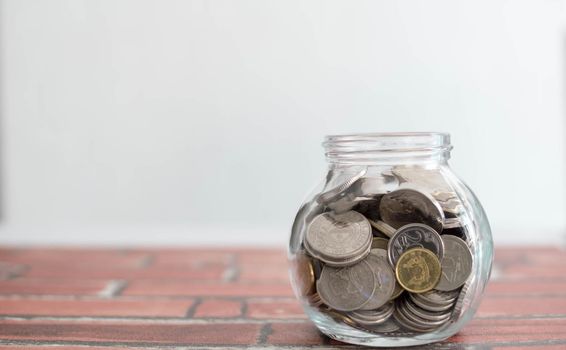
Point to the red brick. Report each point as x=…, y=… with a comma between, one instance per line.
x=192, y=257
x=117, y=308
x=522, y=306
x=185, y=288
x=272, y=309
x=511, y=330
x=532, y=273
x=263, y=256
x=63, y=347
x=120, y=272
x=10, y=270
x=264, y=273
x=131, y=332
x=532, y=347
x=52, y=286
x=217, y=308
x=75, y=256
x=302, y=334
x=511, y=287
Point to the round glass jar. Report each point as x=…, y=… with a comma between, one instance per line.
x=392, y=249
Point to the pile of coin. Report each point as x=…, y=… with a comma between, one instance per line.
x=385, y=252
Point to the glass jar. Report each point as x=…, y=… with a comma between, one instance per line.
x=392, y=249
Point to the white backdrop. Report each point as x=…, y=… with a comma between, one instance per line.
x=200, y=121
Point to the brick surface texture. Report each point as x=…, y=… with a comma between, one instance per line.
x=76, y=298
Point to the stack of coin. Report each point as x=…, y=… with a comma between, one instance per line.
x=386, y=252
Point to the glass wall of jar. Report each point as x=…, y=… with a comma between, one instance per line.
x=392, y=249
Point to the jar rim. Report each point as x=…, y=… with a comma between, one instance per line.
x=378, y=135
x=368, y=147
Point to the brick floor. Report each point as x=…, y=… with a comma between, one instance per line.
x=77, y=299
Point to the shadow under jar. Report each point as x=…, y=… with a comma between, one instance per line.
x=392, y=249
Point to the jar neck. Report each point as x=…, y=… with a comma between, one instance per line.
x=387, y=148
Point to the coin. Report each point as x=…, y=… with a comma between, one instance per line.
x=369, y=208
x=406, y=323
x=314, y=300
x=439, y=297
x=453, y=223
x=419, y=321
x=384, y=282
x=430, y=179
x=379, y=243
x=339, y=239
x=406, y=205
x=456, y=264
x=303, y=274
x=424, y=314
x=398, y=290
x=418, y=270
x=414, y=236
x=389, y=326
x=429, y=306
x=373, y=317
x=305, y=214
x=347, y=202
x=382, y=227
x=374, y=185
x=462, y=303
x=340, y=190
x=346, y=288
x=453, y=206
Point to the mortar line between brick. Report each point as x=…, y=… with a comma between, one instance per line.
x=193, y=308
x=243, y=308
x=264, y=333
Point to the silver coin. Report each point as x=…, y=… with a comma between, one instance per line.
x=373, y=317
x=407, y=323
x=379, y=252
x=305, y=214
x=452, y=206
x=369, y=208
x=347, y=288
x=413, y=236
x=389, y=326
x=428, y=306
x=346, y=203
x=462, y=303
x=457, y=222
x=439, y=297
x=456, y=264
x=443, y=196
x=425, y=314
x=430, y=179
x=374, y=185
x=339, y=239
x=382, y=227
x=340, y=190
x=384, y=280
x=421, y=322
x=407, y=205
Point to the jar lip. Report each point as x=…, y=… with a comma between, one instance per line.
x=366, y=147
x=386, y=135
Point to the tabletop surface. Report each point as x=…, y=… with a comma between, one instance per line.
x=74, y=298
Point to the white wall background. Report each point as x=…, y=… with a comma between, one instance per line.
x=200, y=121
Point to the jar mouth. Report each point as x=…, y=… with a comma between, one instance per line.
x=368, y=147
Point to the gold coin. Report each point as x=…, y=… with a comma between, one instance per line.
x=303, y=271
x=418, y=270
